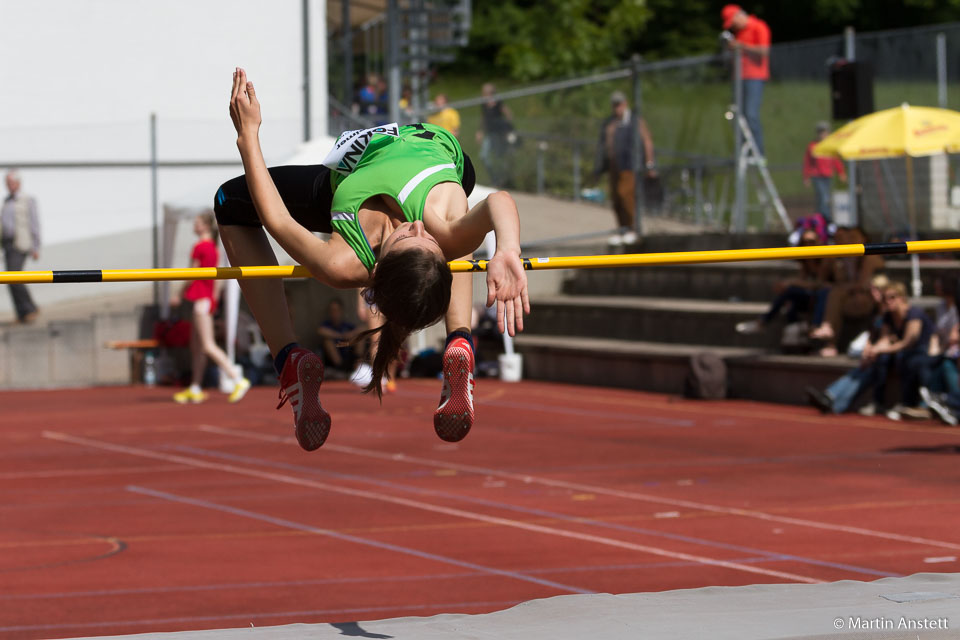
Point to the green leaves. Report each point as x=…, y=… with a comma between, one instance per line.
x=550, y=38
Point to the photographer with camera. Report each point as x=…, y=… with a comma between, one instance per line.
x=749, y=36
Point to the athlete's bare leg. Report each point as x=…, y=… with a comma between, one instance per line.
x=266, y=298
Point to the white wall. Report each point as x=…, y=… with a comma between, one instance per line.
x=81, y=77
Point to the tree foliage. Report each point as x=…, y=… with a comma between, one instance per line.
x=531, y=39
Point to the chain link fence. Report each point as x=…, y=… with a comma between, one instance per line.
x=687, y=105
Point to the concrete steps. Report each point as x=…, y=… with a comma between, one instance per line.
x=753, y=374
x=61, y=353
x=651, y=319
x=638, y=327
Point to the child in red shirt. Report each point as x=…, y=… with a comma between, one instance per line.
x=201, y=294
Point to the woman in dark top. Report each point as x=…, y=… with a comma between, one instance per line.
x=905, y=342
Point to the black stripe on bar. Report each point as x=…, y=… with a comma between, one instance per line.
x=884, y=248
x=91, y=275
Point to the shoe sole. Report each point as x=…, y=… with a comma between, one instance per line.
x=240, y=396
x=453, y=420
x=189, y=401
x=311, y=433
x=817, y=403
x=938, y=409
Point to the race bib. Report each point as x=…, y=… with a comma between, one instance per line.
x=349, y=148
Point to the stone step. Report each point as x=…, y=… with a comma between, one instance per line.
x=751, y=281
x=666, y=320
x=67, y=353
x=662, y=368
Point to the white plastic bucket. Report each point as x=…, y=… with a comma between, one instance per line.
x=511, y=367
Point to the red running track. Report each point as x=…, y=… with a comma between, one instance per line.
x=121, y=512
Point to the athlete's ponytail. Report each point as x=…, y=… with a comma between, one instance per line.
x=412, y=290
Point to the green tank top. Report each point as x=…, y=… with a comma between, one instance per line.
x=401, y=162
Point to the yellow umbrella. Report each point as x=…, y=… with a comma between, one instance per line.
x=891, y=133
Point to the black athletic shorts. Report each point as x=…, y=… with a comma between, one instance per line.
x=305, y=190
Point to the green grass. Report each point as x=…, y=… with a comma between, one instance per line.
x=685, y=112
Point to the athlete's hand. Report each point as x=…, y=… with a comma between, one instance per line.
x=507, y=286
x=244, y=106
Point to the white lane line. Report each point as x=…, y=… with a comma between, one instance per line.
x=425, y=506
x=298, y=526
x=576, y=486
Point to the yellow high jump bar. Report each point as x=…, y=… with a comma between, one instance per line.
x=530, y=264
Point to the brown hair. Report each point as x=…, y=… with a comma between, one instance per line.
x=412, y=290
x=897, y=288
x=211, y=221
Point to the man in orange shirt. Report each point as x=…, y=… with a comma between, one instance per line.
x=751, y=38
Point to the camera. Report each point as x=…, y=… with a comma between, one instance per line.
x=726, y=36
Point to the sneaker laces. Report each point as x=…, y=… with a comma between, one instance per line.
x=284, y=396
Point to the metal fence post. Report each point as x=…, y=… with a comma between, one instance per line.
x=154, y=203
x=576, y=172
x=639, y=201
x=738, y=217
x=393, y=60
x=306, y=70
x=541, y=169
x=698, y=193
x=942, y=70
x=850, y=46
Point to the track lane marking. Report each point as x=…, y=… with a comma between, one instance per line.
x=714, y=410
x=65, y=473
x=416, y=504
x=298, y=526
x=580, y=487
x=545, y=516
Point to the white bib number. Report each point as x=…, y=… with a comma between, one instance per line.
x=349, y=148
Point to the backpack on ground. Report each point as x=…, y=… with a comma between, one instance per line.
x=706, y=378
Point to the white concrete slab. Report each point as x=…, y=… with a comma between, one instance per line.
x=922, y=606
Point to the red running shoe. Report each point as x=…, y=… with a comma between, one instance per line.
x=300, y=383
x=454, y=417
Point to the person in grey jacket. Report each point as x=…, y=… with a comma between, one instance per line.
x=615, y=156
x=20, y=237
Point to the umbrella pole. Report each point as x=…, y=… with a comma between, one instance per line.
x=916, y=283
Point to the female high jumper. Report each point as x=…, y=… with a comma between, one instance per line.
x=394, y=200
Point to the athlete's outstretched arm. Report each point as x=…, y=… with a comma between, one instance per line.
x=506, y=279
x=333, y=265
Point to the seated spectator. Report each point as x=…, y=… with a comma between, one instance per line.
x=901, y=337
x=878, y=284
x=907, y=330
x=370, y=320
x=797, y=295
x=336, y=334
x=945, y=349
x=843, y=392
x=849, y=297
